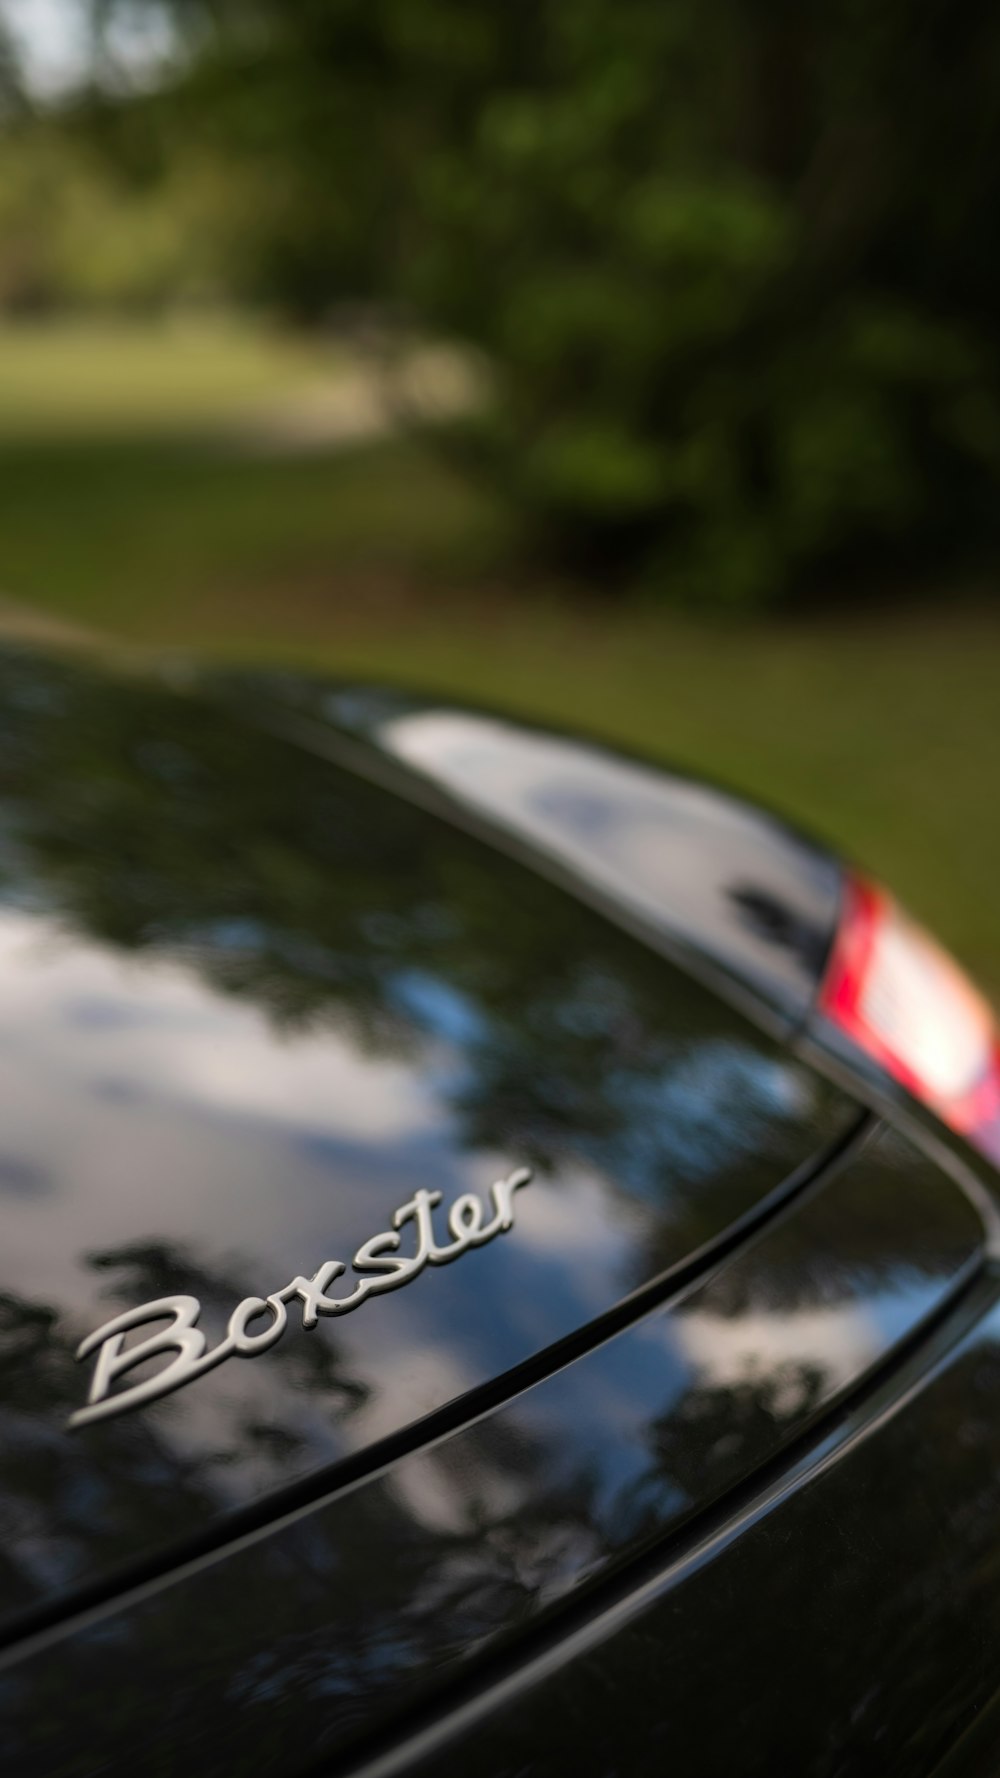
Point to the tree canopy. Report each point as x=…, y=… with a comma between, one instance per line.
x=735, y=264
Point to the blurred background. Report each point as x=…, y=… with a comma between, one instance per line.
x=634, y=364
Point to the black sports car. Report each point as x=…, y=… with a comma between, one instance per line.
x=499, y=1259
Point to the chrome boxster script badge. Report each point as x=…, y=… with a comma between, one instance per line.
x=379, y=1263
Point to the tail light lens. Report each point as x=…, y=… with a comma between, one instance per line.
x=906, y=1003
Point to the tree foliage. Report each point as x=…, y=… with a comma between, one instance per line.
x=736, y=263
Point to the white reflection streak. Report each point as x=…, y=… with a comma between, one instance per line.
x=838, y=1341
x=623, y=825
x=157, y=1023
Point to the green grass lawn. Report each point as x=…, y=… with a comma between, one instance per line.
x=879, y=729
x=93, y=379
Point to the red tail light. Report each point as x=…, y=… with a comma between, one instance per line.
x=906, y=1003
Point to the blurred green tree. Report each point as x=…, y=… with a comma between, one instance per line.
x=736, y=263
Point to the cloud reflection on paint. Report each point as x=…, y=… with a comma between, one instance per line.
x=697, y=862
x=159, y=1029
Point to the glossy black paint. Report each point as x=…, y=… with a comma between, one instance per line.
x=842, y=1617
x=696, y=1468
x=322, y=1629
x=250, y=1002
x=741, y=898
